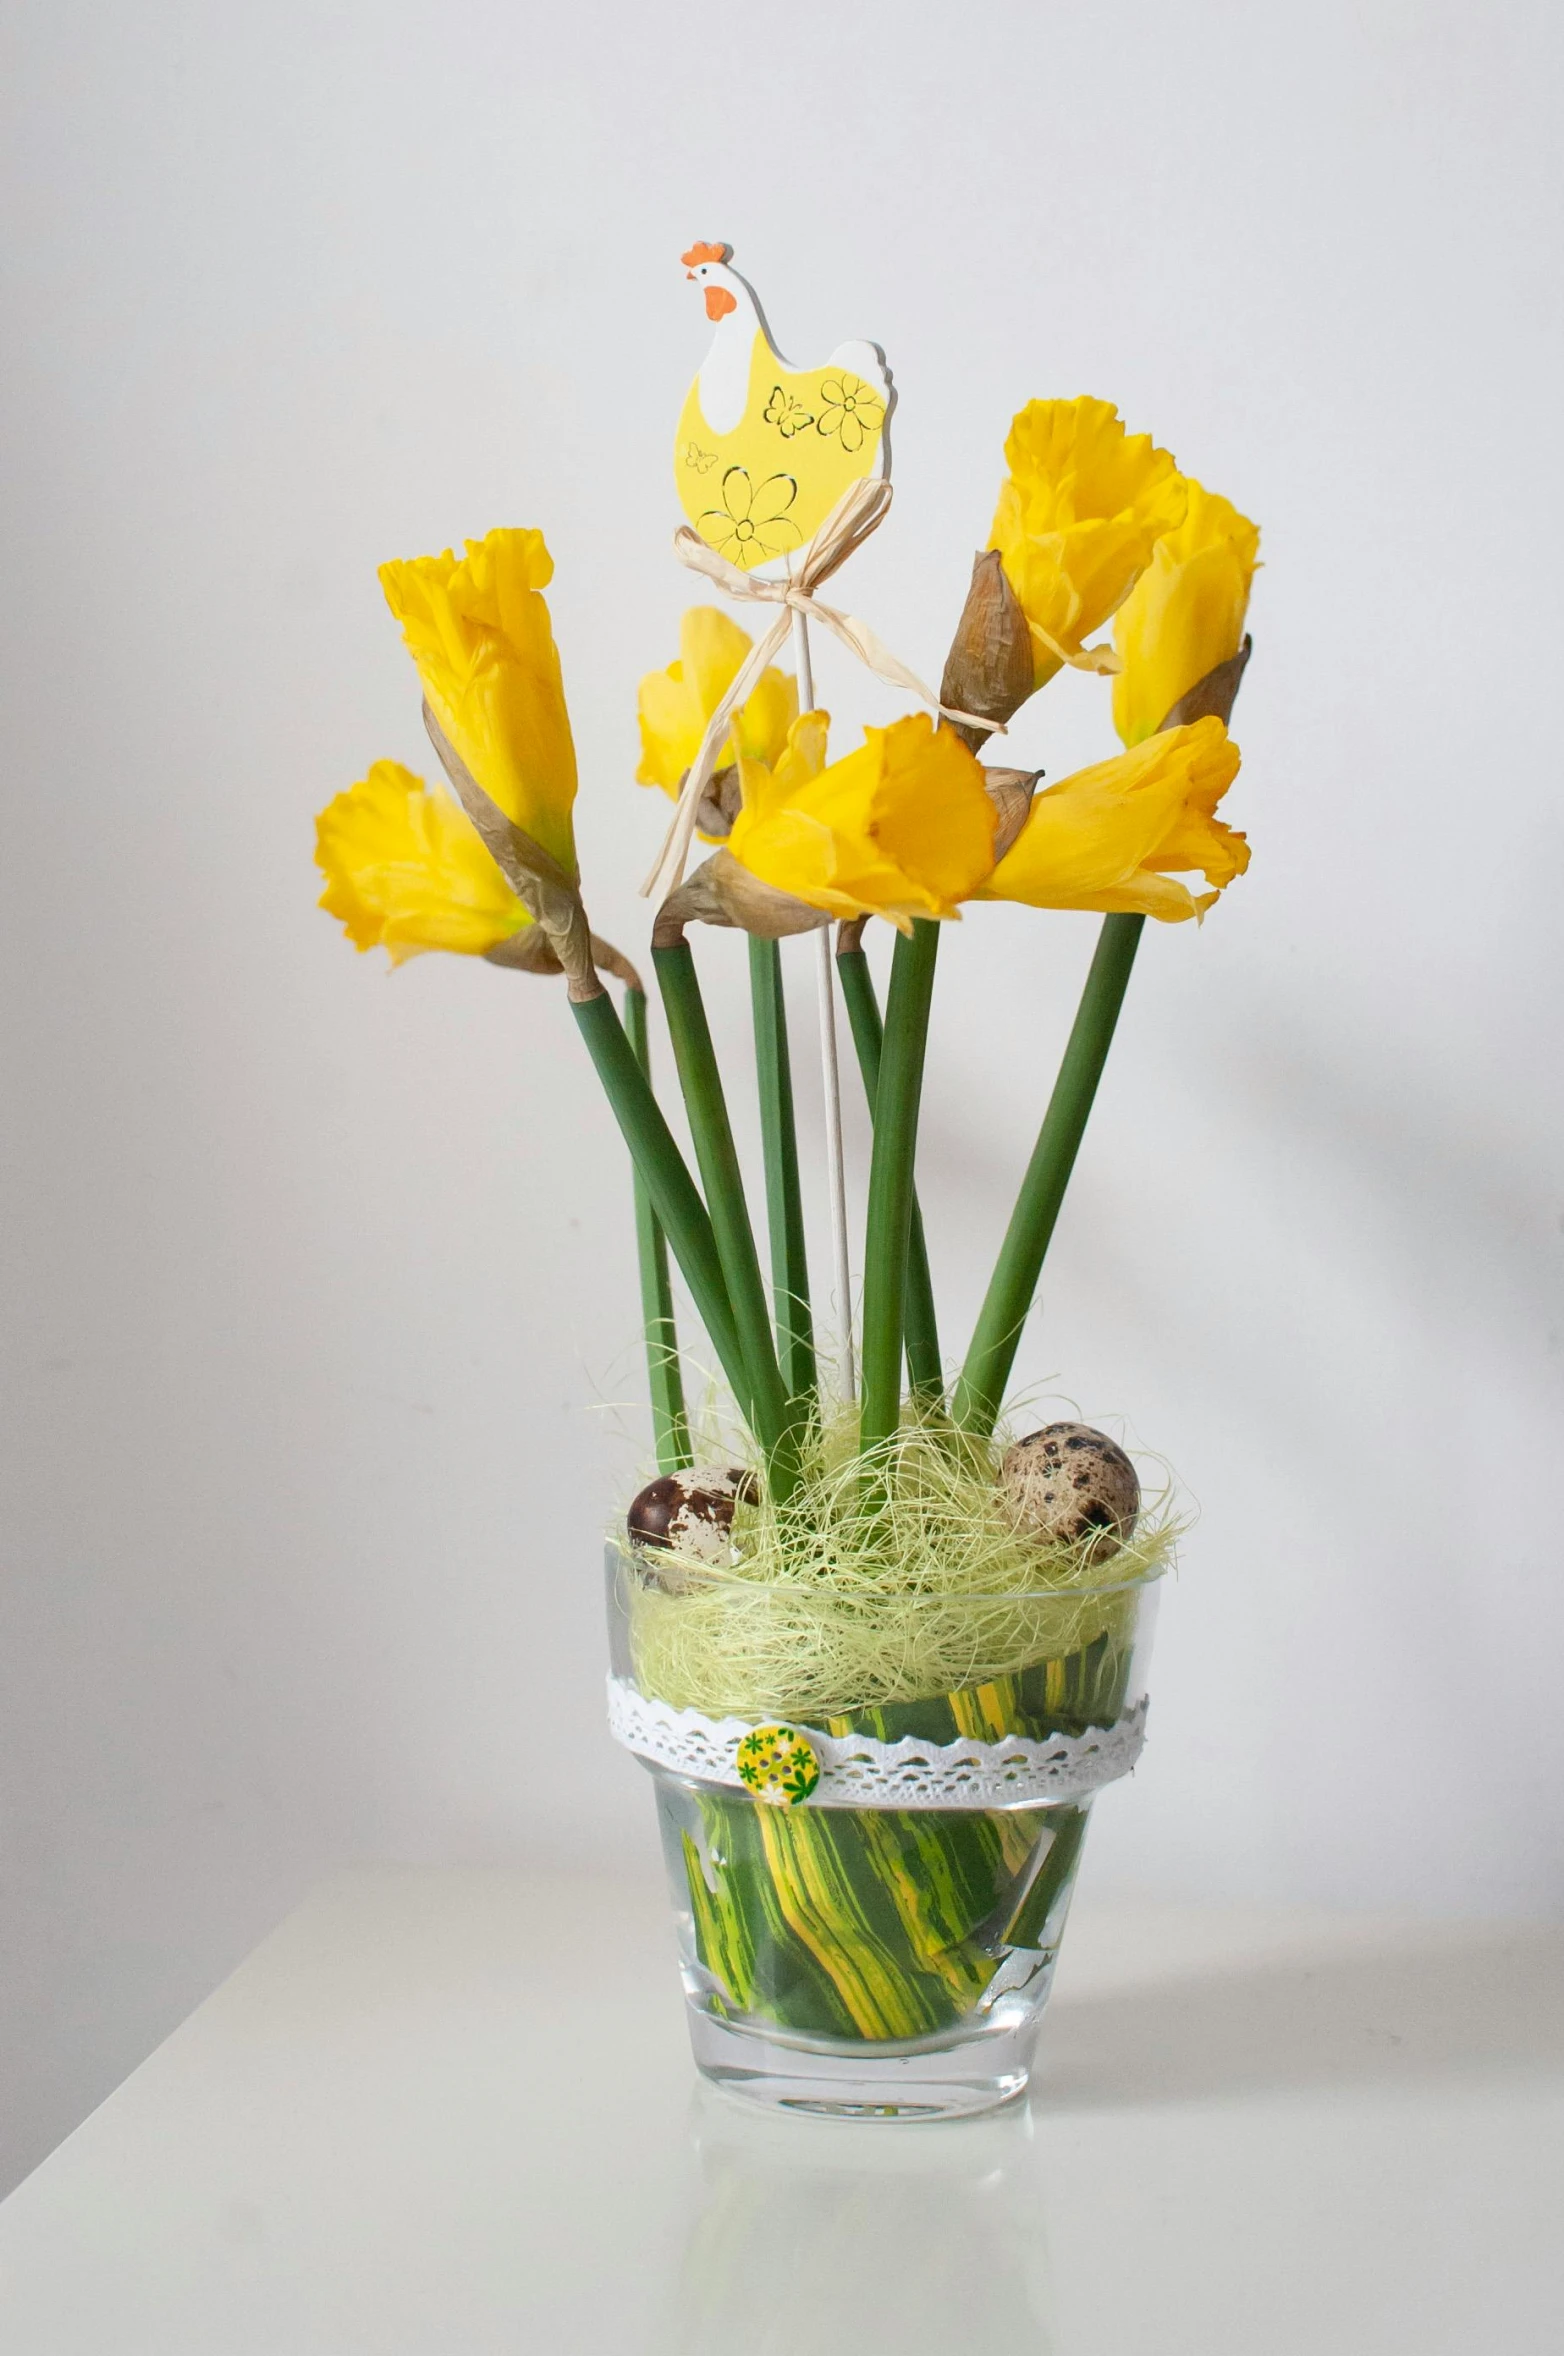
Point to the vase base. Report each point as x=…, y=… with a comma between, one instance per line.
x=959, y=2078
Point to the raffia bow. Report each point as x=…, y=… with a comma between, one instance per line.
x=861, y=510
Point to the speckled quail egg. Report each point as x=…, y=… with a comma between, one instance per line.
x=690, y=1512
x=1068, y=1480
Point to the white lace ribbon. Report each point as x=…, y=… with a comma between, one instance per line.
x=858, y=1772
x=860, y=511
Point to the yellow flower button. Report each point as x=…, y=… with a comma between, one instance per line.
x=777, y=1764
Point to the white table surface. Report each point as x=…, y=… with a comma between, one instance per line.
x=439, y=2114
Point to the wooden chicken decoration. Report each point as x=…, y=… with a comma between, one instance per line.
x=764, y=450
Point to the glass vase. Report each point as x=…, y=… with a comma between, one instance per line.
x=872, y=1815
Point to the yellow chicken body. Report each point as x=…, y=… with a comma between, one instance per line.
x=764, y=451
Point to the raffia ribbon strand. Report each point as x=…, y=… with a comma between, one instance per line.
x=861, y=510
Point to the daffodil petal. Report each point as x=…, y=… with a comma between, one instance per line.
x=1106, y=837
x=804, y=753
x=1186, y=613
x=675, y=706
x=671, y=723
x=763, y=724
x=711, y=649
x=405, y=871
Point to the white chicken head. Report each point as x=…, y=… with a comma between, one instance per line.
x=707, y=265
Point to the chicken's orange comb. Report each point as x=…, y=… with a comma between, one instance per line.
x=705, y=253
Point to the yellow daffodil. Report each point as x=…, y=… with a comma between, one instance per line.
x=1082, y=508
x=901, y=828
x=1114, y=837
x=405, y=871
x=1185, y=614
x=479, y=631
x=675, y=705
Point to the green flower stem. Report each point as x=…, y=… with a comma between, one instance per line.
x=784, y=1198
x=724, y=1183
x=1014, y=1283
x=891, y=1176
x=661, y=1167
x=924, y=1371
x=670, y=1427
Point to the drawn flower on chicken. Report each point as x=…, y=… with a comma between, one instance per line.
x=849, y=410
x=752, y=526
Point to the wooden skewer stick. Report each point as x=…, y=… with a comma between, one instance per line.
x=836, y=1178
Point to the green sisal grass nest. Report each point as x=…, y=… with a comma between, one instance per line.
x=881, y=1581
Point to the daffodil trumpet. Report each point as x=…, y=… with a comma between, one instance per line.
x=1081, y=513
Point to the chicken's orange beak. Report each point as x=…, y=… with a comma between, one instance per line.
x=689, y=274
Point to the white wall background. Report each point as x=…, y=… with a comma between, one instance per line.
x=317, y=1282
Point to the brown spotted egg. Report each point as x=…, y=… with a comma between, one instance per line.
x=1068, y=1480
x=691, y=1513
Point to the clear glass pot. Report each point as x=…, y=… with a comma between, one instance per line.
x=876, y=1939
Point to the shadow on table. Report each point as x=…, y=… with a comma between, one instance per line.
x=1408, y=2016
